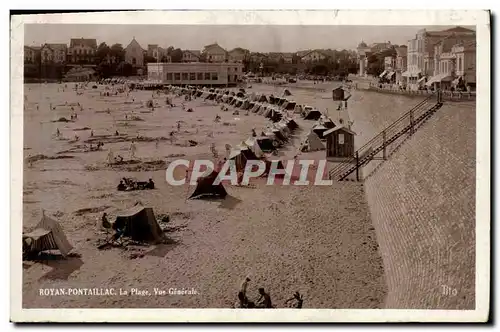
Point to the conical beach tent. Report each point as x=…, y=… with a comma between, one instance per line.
x=48, y=235
x=140, y=224
x=206, y=187
x=312, y=143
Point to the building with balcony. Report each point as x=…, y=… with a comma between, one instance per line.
x=215, y=53
x=389, y=73
x=421, y=57
x=401, y=63
x=445, y=60
x=134, y=54
x=465, y=54
x=53, y=53
x=191, y=56
x=314, y=56
x=196, y=73
x=82, y=51
x=152, y=50
x=31, y=54
x=364, y=51
x=238, y=55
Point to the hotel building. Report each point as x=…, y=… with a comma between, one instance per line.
x=196, y=73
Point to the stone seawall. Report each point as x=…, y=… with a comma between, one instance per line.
x=422, y=204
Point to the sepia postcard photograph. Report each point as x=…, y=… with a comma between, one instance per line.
x=277, y=166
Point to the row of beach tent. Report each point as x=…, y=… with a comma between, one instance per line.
x=266, y=141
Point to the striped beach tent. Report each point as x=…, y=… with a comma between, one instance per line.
x=48, y=235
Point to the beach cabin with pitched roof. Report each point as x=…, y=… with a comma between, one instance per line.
x=339, y=142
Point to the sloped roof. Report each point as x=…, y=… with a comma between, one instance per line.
x=193, y=52
x=133, y=43
x=212, y=46
x=459, y=29
x=90, y=42
x=55, y=47
x=317, y=51
x=329, y=131
x=238, y=49
x=302, y=53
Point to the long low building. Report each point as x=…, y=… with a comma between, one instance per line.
x=196, y=73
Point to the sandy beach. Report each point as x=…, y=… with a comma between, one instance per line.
x=316, y=240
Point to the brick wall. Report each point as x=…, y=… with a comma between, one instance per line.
x=422, y=204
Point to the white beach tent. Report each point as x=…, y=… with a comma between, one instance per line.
x=312, y=143
x=252, y=144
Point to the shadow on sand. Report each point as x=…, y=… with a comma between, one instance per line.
x=162, y=249
x=62, y=267
x=229, y=202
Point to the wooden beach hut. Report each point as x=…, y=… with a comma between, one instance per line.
x=339, y=142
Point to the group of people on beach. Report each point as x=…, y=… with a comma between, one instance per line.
x=127, y=184
x=264, y=301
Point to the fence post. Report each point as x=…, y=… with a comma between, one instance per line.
x=384, y=153
x=411, y=122
x=357, y=166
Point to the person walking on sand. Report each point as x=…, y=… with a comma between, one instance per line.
x=133, y=149
x=157, y=142
x=58, y=133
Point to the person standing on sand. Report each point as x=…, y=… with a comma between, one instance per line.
x=242, y=294
x=133, y=149
x=111, y=157
x=157, y=142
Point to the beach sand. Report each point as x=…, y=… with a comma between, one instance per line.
x=317, y=240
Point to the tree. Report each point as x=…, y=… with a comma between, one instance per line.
x=149, y=59
x=117, y=52
x=125, y=69
x=102, y=52
x=170, y=50
x=105, y=70
x=176, y=55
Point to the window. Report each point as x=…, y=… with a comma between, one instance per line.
x=192, y=76
x=200, y=76
x=207, y=76
x=460, y=63
x=134, y=61
x=177, y=76
x=169, y=76
x=185, y=76
x=214, y=77
x=341, y=138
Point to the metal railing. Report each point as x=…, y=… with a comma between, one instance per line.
x=406, y=123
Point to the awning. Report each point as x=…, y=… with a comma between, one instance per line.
x=390, y=74
x=455, y=81
x=406, y=74
x=421, y=79
x=439, y=78
x=383, y=74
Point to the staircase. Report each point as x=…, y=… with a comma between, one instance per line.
x=406, y=124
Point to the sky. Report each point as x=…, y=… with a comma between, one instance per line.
x=256, y=38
